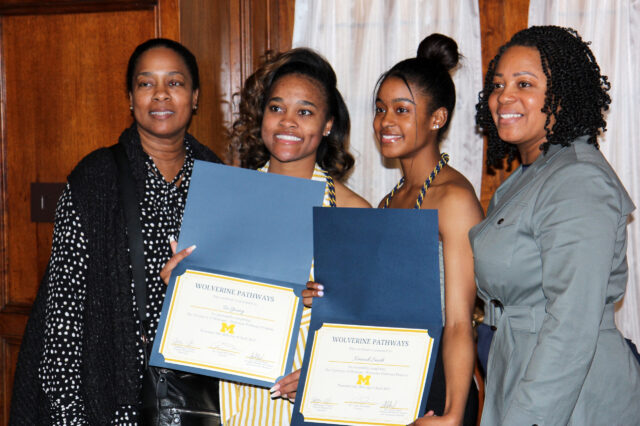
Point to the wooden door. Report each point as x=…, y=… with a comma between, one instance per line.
x=63, y=95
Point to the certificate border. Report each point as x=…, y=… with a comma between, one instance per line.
x=157, y=359
x=365, y=327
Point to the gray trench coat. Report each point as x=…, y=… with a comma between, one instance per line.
x=550, y=262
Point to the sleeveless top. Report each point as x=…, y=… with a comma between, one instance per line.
x=242, y=404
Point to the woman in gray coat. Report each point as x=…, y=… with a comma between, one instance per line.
x=550, y=258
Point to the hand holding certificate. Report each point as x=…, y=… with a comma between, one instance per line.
x=374, y=334
x=232, y=308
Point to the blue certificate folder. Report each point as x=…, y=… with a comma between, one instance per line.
x=246, y=224
x=379, y=267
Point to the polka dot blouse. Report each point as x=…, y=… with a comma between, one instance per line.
x=161, y=214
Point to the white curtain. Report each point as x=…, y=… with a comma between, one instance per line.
x=364, y=38
x=612, y=27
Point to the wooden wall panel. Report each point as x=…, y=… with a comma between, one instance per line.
x=282, y=25
x=11, y=330
x=229, y=39
x=168, y=22
x=499, y=20
x=41, y=7
x=208, y=35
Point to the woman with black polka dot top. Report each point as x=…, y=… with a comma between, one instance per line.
x=82, y=359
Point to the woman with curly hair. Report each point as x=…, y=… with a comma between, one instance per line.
x=294, y=122
x=550, y=258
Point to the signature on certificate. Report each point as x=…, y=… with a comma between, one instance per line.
x=389, y=404
x=233, y=309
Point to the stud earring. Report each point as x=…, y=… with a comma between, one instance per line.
x=328, y=133
x=437, y=126
x=131, y=107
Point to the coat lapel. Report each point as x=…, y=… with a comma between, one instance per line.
x=514, y=185
x=519, y=180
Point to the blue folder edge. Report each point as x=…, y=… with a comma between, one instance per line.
x=344, y=235
x=157, y=359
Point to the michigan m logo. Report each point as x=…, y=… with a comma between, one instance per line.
x=227, y=328
x=364, y=380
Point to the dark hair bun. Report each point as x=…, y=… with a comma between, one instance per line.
x=440, y=48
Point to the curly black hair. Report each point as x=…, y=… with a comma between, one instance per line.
x=246, y=140
x=576, y=95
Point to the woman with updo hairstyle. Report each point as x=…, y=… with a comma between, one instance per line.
x=413, y=108
x=82, y=356
x=294, y=122
x=550, y=258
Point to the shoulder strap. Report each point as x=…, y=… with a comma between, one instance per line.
x=127, y=192
x=332, y=190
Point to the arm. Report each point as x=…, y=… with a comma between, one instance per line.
x=457, y=214
x=60, y=367
x=575, y=222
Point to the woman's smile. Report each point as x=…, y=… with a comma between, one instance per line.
x=161, y=114
x=287, y=139
x=390, y=137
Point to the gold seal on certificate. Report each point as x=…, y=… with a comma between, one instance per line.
x=229, y=325
x=366, y=375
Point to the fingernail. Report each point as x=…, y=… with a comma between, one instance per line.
x=192, y=248
x=320, y=287
x=274, y=388
x=320, y=293
x=171, y=238
x=292, y=399
x=275, y=394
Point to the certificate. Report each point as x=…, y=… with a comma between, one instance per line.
x=373, y=336
x=366, y=375
x=227, y=324
x=232, y=308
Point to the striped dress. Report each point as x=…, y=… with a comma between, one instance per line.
x=242, y=404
